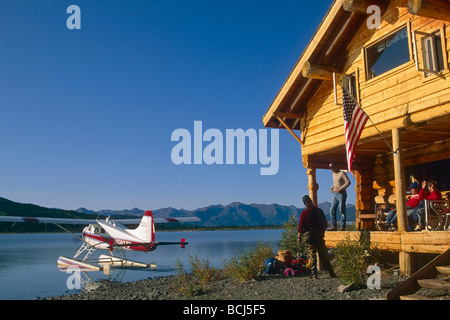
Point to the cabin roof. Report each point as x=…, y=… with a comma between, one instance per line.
x=327, y=48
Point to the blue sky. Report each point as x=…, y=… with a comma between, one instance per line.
x=87, y=115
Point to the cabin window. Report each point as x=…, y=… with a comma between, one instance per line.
x=349, y=84
x=433, y=57
x=432, y=53
x=387, y=54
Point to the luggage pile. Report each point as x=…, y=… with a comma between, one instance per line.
x=284, y=264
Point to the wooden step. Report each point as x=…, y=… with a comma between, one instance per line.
x=415, y=297
x=434, y=284
x=443, y=269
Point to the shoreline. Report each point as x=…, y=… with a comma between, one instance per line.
x=264, y=288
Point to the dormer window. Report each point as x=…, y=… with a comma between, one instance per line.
x=387, y=54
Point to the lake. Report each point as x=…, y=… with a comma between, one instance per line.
x=28, y=262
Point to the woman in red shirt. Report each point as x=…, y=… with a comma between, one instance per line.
x=431, y=194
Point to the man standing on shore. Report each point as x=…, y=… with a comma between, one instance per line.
x=311, y=232
x=340, y=183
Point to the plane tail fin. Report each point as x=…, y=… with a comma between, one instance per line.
x=146, y=229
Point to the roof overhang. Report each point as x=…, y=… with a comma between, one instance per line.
x=325, y=49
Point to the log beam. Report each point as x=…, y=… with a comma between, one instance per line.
x=315, y=71
x=436, y=9
x=400, y=185
x=312, y=185
x=289, y=115
x=360, y=6
x=405, y=258
x=290, y=130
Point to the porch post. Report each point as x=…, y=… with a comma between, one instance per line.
x=405, y=261
x=400, y=189
x=312, y=185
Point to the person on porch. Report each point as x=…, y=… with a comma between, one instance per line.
x=413, y=202
x=340, y=183
x=430, y=193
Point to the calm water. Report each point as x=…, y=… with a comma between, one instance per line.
x=28, y=267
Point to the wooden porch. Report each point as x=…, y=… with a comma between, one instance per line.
x=404, y=243
x=397, y=241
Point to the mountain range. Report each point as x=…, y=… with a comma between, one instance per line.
x=233, y=214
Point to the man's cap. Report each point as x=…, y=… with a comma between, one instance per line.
x=414, y=185
x=307, y=200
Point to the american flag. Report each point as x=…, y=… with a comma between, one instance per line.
x=354, y=121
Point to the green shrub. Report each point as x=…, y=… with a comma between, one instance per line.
x=202, y=271
x=247, y=264
x=352, y=259
x=195, y=283
x=185, y=283
x=289, y=238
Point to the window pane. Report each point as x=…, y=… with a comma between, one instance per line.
x=428, y=54
x=387, y=54
x=439, y=54
x=433, y=59
x=349, y=83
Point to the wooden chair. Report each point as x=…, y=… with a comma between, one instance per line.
x=380, y=215
x=436, y=214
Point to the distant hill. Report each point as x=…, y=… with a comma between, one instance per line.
x=11, y=208
x=233, y=214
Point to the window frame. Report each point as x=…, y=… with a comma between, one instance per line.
x=407, y=28
x=350, y=83
x=425, y=55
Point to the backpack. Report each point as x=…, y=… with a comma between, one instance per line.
x=297, y=268
x=271, y=266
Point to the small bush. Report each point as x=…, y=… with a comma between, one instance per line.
x=352, y=259
x=185, y=283
x=289, y=238
x=195, y=283
x=248, y=264
x=202, y=271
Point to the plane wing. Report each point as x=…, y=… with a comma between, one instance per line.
x=160, y=220
x=47, y=220
x=91, y=221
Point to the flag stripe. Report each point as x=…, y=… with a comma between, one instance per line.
x=356, y=129
x=354, y=121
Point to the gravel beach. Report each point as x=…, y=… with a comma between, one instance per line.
x=266, y=287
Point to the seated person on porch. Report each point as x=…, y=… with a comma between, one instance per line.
x=432, y=193
x=413, y=202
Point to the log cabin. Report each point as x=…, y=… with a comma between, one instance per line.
x=392, y=57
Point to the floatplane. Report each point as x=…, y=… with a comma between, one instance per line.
x=111, y=235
